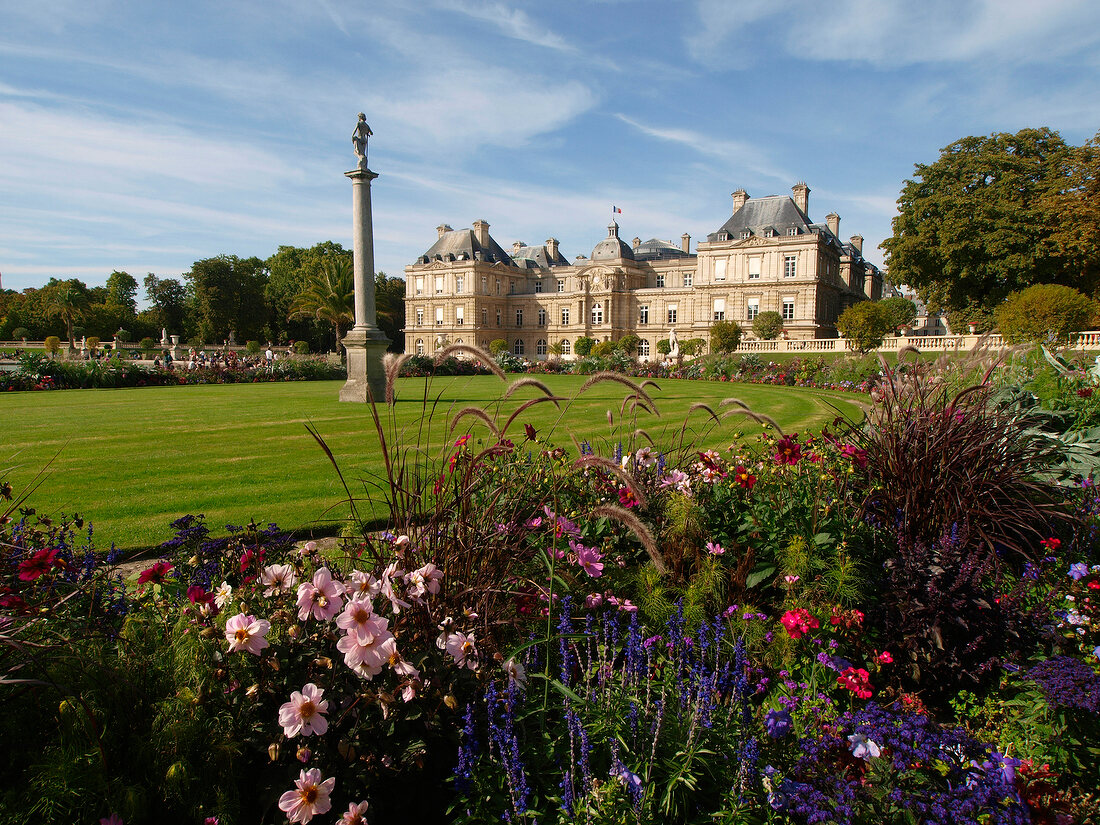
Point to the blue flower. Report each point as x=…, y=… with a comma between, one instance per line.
x=778, y=723
x=1078, y=571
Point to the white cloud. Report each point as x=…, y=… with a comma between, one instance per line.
x=510, y=22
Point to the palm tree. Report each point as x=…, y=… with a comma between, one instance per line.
x=328, y=295
x=69, y=303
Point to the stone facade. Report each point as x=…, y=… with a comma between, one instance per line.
x=767, y=256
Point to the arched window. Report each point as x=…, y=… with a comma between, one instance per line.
x=643, y=348
x=597, y=313
x=517, y=347
x=540, y=346
x=566, y=347
x=419, y=346
x=458, y=340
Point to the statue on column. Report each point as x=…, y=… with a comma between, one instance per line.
x=359, y=140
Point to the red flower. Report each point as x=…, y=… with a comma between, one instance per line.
x=857, y=681
x=744, y=478
x=626, y=497
x=788, y=450
x=461, y=442
x=858, y=456
x=199, y=596
x=798, y=622
x=529, y=431
x=884, y=658
x=38, y=564
x=157, y=574
x=1051, y=544
x=1085, y=392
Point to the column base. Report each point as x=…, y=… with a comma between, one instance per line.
x=366, y=377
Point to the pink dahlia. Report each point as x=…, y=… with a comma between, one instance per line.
x=322, y=597
x=38, y=564
x=310, y=796
x=462, y=649
x=356, y=815
x=360, y=620
x=304, y=713
x=247, y=633
x=368, y=658
x=278, y=579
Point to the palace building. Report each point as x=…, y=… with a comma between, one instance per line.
x=769, y=255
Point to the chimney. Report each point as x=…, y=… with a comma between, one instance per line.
x=442, y=229
x=833, y=220
x=857, y=242
x=801, y=193
x=552, y=248
x=637, y=242
x=685, y=242
x=481, y=232
x=517, y=246
x=739, y=198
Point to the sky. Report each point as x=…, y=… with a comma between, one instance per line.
x=143, y=136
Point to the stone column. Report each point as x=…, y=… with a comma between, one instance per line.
x=365, y=343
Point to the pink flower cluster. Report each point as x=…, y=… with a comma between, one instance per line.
x=856, y=680
x=798, y=622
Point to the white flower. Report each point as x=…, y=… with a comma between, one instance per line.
x=515, y=671
x=223, y=595
x=862, y=747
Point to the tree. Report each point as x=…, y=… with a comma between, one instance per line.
x=864, y=325
x=603, y=349
x=52, y=344
x=68, y=302
x=497, y=346
x=693, y=346
x=584, y=346
x=389, y=304
x=901, y=311
x=767, y=325
x=228, y=297
x=1074, y=212
x=122, y=290
x=290, y=269
x=1046, y=313
x=20, y=333
x=978, y=223
x=168, y=303
x=725, y=336
x=329, y=296
x=628, y=343
x=664, y=347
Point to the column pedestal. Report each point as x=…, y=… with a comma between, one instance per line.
x=365, y=349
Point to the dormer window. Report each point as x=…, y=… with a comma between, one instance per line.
x=792, y=230
x=723, y=236
x=746, y=234
x=770, y=233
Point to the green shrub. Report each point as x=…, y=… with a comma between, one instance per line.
x=628, y=344
x=20, y=333
x=92, y=343
x=52, y=344
x=583, y=346
x=901, y=311
x=864, y=325
x=253, y=347
x=497, y=346
x=301, y=347
x=725, y=336
x=767, y=325
x=664, y=347
x=148, y=345
x=603, y=349
x=1047, y=313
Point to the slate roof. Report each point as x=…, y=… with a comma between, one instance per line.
x=658, y=250
x=612, y=248
x=536, y=257
x=460, y=244
x=777, y=212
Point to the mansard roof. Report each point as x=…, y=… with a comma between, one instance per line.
x=536, y=257
x=462, y=245
x=658, y=250
x=777, y=212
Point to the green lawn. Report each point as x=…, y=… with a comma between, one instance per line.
x=133, y=460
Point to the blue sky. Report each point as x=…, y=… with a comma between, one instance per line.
x=146, y=135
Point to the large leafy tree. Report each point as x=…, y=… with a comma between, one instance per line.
x=1074, y=213
x=122, y=290
x=228, y=297
x=329, y=295
x=290, y=269
x=864, y=324
x=389, y=305
x=167, y=299
x=978, y=224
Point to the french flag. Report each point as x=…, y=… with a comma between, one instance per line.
x=615, y=209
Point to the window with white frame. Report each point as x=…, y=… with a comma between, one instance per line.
x=438, y=284
x=538, y=285
x=566, y=347
x=498, y=286
x=719, y=309
x=517, y=347
x=643, y=314
x=597, y=313
x=485, y=284
x=561, y=285
x=790, y=266
x=419, y=346
x=643, y=348
x=660, y=280
x=460, y=316
x=788, y=309
x=746, y=234
x=689, y=278
x=484, y=317
x=519, y=317
x=753, y=308
x=565, y=316
x=540, y=346
x=460, y=283
x=770, y=233
x=511, y=286
x=419, y=284
x=542, y=317
x=499, y=324
x=754, y=268
x=439, y=316
x=792, y=230
x=671, y=313
x=420, y=316
x=720, y=269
